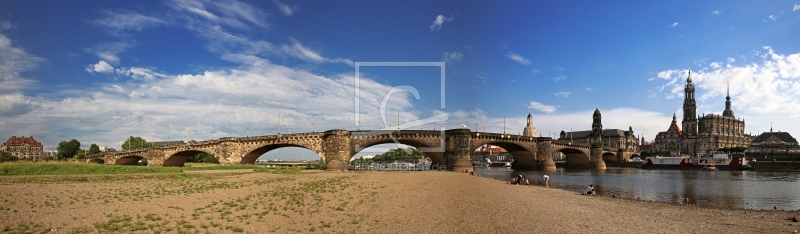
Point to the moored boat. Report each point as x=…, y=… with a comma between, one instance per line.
x=718, y=162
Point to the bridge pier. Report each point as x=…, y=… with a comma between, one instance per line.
x=547, y=164
x=457, y=149
x=596, y=158
x=337, y=149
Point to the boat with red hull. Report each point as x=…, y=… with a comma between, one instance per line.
x=681, y=163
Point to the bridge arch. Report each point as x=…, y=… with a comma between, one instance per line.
x=97, y=161
x=253, y=155
x=576, y=158
x=521, y=154
x=437, y=158
x=129, y=160
x=609, y=157
x=179, y=159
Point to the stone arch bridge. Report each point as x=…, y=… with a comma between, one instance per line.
x=451, y=148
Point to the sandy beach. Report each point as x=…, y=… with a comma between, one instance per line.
x=333, y=202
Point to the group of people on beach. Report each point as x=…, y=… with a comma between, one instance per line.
x=522, y=179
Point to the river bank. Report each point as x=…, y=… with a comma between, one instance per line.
x=359, y=202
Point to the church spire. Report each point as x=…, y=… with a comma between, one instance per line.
x=689, y=80
x=728, y=112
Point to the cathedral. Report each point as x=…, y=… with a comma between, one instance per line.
x=701, y=134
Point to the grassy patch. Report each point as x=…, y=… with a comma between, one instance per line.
x=64, y=168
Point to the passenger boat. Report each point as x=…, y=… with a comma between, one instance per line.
x=717, y=162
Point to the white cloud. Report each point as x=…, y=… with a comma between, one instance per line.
x=13, y=62
x=452, y=57
x=674, y=25
x=222, y=101
x=286, y=8
x=542, y=107
x=761, y=91
x=562, y=94
x=715, y=65
x=100, y=67
x=437, y=23
x=518, y=58
x=588, y=89
x=15, y=104
x=482, y=76
x=560, y=77
x=731, y=60
x=536, y=71
x=772, y=17
x=716, y=12
x=796, y=7
x=140, y=73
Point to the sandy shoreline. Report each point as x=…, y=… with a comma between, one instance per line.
x=332, y=202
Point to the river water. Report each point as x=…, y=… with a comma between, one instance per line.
x=756, y=190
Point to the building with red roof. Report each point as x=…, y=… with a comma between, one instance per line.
x=23, y=147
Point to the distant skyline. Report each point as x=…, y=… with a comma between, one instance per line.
x=101, y=71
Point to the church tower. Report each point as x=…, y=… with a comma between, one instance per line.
x=529, y=130
x=728, y=112
x=597, y=125
x=689, y=109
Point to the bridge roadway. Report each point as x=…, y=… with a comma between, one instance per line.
x=450, y=148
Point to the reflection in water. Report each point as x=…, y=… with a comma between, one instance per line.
x=737, y=189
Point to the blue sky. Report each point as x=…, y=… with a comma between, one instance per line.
x=100, y=71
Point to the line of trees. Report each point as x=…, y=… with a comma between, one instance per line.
x=399, y=154
x=72, y=148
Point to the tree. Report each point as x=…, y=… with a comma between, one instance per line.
x=67, y=149
x=94, y=149
x=203, y=158
x=5, y=157
x=135, y=143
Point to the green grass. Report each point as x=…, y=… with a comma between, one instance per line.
x=65, y=168
x=76, y=168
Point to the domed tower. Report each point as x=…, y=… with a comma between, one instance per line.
x=530, y=130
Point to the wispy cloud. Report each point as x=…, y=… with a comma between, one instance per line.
x=674, y=25
x=796, y=7
x=560, y=77
x=437, y=23
x=588, y=89
x=518, y=58
x=297, y=50
x=109, y=51
x=716, y=12
x=452, y=57
x=229, y=13
x=119, y=21
x=286, y=9
x=562, y=94
x=542, y=107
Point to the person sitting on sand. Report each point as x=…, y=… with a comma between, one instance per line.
x=546, y=180
x=472, y=173
x=514, y=180
x=527, y=182
x=590, y=191
x=520, y=178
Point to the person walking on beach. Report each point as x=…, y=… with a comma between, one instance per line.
x=546, y=180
